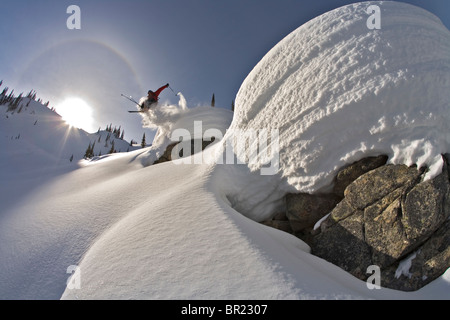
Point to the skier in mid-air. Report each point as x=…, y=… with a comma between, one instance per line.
x=152, y=98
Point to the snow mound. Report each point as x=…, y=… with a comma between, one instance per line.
x=175, y=123
x=338, y=91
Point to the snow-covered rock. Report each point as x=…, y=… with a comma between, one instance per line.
x=337, y=91
x=179, y=123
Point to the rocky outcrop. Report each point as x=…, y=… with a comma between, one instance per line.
x=303, y=210
x=280, y=221
x=382, y=215
x=167, y=155
x=352, y=172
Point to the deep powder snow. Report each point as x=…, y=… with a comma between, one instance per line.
x=338, y=91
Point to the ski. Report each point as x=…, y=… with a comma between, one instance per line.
x=142, y=111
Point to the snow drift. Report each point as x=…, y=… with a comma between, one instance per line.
x=338, y=91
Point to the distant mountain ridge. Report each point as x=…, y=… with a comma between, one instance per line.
x=27, y=126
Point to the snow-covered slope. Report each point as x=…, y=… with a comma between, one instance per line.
x=157, y=232
x=172, y=231
x=338, y=91
x=38, y=131
x=179, y=240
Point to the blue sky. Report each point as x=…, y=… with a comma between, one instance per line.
x=200, y=47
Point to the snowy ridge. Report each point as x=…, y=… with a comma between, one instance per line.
x=37, y=130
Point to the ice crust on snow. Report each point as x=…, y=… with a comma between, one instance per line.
x=338, y=91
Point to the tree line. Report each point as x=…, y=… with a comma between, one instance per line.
x=14, y=102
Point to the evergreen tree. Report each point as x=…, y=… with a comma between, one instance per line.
x=10, y=96
x=213, y=101
x=92, y=150
x=112, y=150
x=143, y=143
x=232, y=105
x=3, y=95
x=88, y=153
x=14, y=102
x=31, y=95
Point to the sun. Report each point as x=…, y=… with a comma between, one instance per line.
x=77, y=113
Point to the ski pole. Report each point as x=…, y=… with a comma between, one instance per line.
x=130, y=98
x=173, y=91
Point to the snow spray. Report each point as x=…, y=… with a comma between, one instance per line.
x=182, y=103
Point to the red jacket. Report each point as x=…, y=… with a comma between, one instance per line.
x=155, y=95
